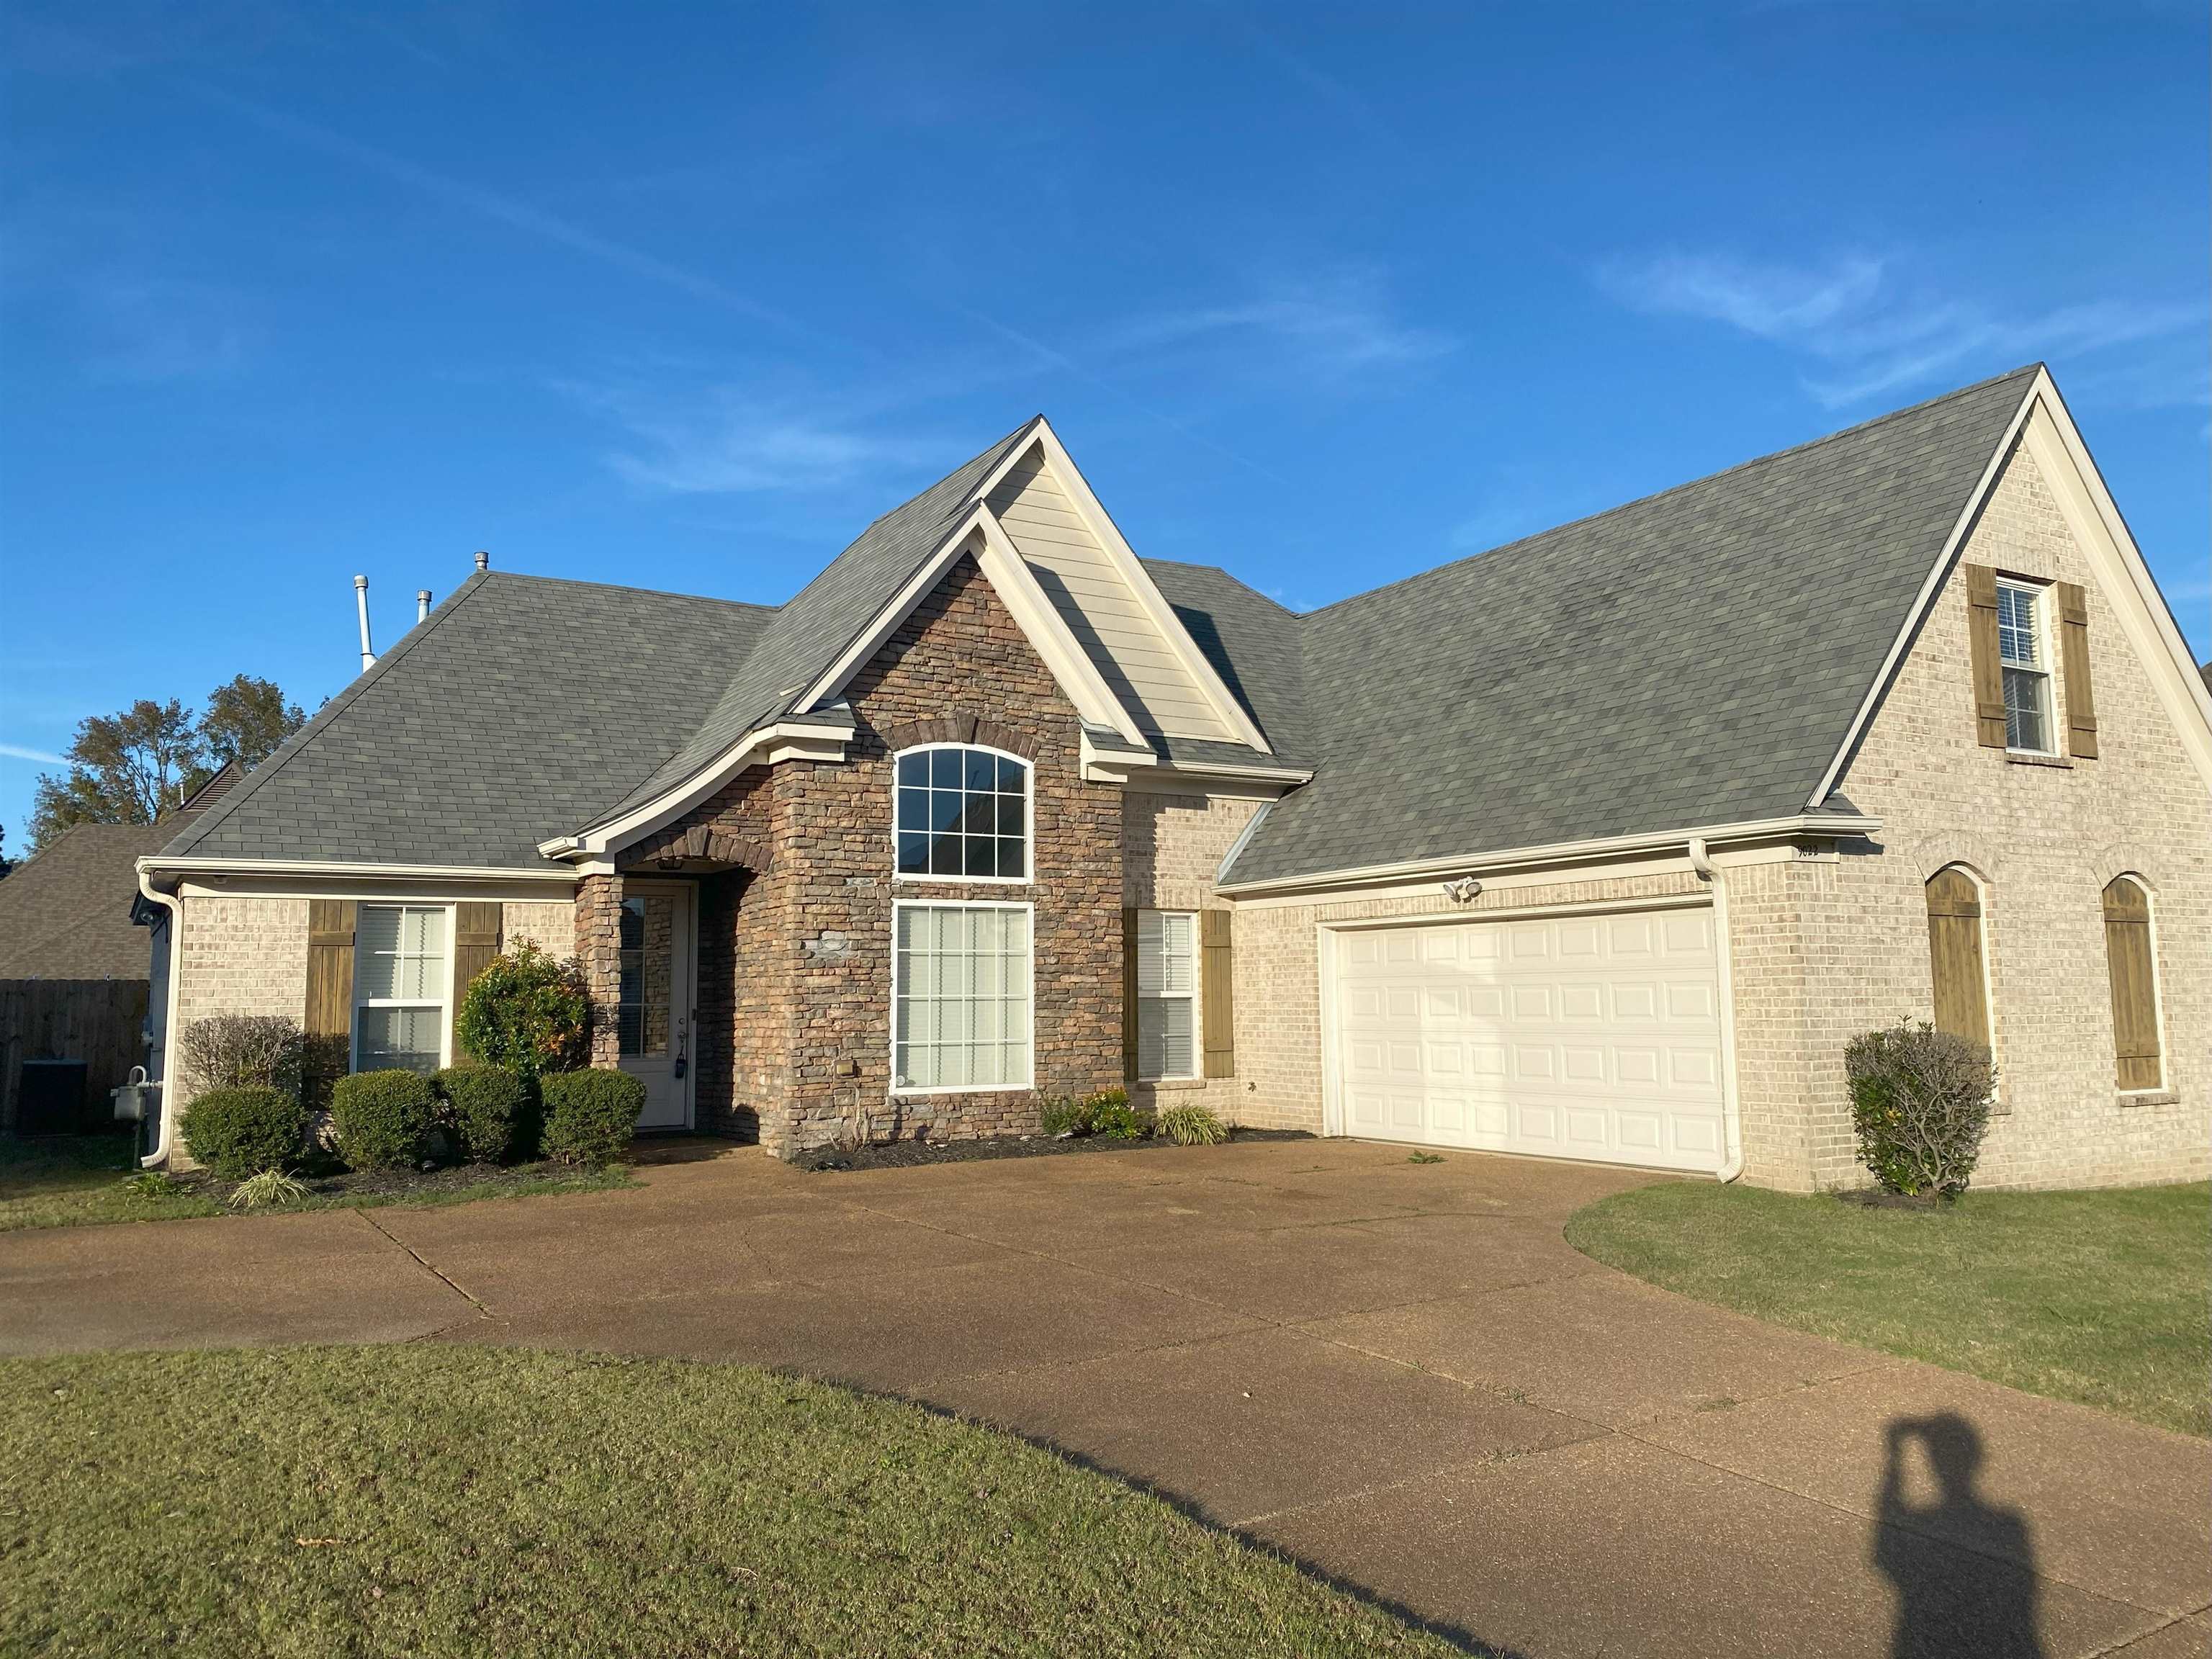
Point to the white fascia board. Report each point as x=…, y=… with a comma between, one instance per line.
x=1184, y=776
x=1102, y=526
x=2123, y=574
x=764, y=745
x=188, y=864
x=979, y=533
x=1111, y=766
x=1822, y=824
x=1930, y=585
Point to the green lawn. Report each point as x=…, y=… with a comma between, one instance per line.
x=2099, y=1297
x=434, y=1500
x=80, y=1180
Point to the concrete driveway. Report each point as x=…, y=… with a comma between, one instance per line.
x=1398, y=1373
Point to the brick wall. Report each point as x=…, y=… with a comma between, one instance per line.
x=551, y=927
x=598, y=949
x=1171, y=847
x=2045, y=839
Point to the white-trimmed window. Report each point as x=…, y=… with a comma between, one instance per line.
x=961, y=813
x=960, y=996
x=2024, y=658
x=1167, y=994
x=399, y=986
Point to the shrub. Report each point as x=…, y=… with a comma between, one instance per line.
x=1920, y=1100
x=238, y=1132
x=1192, y=1126
x=591, y=1115
x=383, y=1119
x=271, y=1188
x=490, y=1111
x=1112, y=1115
x=528, y=1013
x=1064, y=1116
x=243, y=1051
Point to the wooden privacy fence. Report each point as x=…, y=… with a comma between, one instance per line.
x=98, y=1021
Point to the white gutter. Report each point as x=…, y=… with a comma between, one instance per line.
x=175, y=907
x=1564, y=852
x=1731, y=1111
x=188, y=864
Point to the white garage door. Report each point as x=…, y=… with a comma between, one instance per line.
x=1586, y=1036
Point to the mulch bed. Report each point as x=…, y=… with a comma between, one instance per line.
x=908, y=1154
x=343, y=1183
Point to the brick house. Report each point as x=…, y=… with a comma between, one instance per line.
x=1599, y=845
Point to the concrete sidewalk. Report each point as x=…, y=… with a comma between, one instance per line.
x=1399, y=1374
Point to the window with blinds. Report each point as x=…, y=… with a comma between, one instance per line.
x=960, y=997
x=1167, y=994
x=2026, y=665
x=399, y=988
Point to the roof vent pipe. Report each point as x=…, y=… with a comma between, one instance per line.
x=360, y=607
x=421, y=605
x=484, y=561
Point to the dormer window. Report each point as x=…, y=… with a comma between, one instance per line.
x=962, y=814
x=2026, y=661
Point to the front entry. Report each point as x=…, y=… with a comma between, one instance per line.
x=658, y=996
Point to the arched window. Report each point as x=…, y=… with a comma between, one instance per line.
x=2138, y=1061
x=1955, y=954
x=962, y=813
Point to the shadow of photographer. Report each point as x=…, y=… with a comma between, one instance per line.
x=1963, y=1568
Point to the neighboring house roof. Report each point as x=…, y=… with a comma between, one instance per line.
x=65, y=914
x=1694, y=659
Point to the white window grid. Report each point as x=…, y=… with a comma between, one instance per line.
x=2024, y=660
x=1002, y=800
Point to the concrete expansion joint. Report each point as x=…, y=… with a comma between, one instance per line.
x=423, y=1262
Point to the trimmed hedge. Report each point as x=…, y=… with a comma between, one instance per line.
x=240, y=1133
x=490, y=1111
x=528, y=1012
x=1920, y=1102
x=591, y=1115
x=383, y=1119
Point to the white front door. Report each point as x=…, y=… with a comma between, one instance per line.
x=657, y=998
x=1594, y=1036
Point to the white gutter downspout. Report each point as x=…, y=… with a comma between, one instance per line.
x=175, y=907
x=1731, y=1116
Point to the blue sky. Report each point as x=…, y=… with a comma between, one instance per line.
x=682, y=296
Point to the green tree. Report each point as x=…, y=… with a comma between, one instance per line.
x=246, y=721
x=128, y=768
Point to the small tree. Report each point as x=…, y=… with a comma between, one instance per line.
x=243, y=1051
x=1920, y=1102
x=528, y=1013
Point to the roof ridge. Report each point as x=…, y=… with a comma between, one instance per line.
x=1671, y=489
x=624, y=587
x=257, y=779
x=1226, y=574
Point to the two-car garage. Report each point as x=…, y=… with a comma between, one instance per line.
x=1589, y=1035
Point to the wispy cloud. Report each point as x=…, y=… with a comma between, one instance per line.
x=1870, y=327
x=725, y=443
x=39, y=756
x=516, y=215
x=1332, y=326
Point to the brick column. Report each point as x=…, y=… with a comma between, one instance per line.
x=599, y=951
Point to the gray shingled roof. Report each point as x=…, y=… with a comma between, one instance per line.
x=65, y=912
x=1689, y=659
x=1692, y=659
x=513, y=714
x=815, y=626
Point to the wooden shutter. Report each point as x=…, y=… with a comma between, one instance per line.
x=1129, y=995
x=1955, y=953
x=330, y=994
x=2136, y=1061
x=1982, y=647
x=2073, y=664
x=476, y=942
x=1217, y=992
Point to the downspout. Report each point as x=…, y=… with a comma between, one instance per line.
x=1731, y=1117
x=175, y=907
